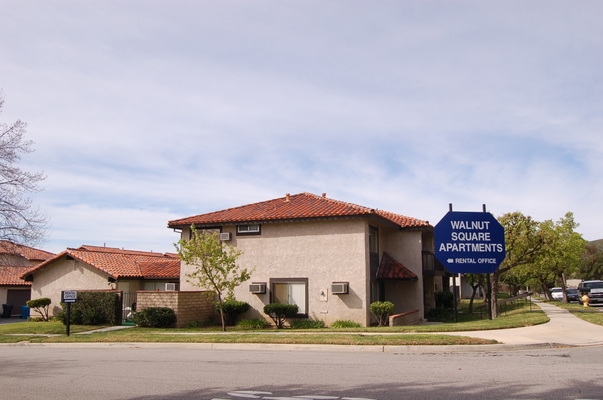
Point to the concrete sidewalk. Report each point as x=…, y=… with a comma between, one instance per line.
x=562, y=329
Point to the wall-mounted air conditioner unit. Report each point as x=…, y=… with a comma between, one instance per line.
x=225, y=236
x=257, y=288
x=170, y=286
x=339, y=288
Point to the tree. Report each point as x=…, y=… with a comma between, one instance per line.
x=523, y=241
x=591, y=266
x=475, y=281
x=564, y=250
x=20, y=222
x=216, y=263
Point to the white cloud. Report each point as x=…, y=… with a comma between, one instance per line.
x=143, y=112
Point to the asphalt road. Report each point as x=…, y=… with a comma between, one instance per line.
x=189, y=371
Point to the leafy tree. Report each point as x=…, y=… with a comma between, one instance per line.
x=475, y=281
x=216, y=265
x=523, y=241
x=564, y=251
x=20, y=222
x=591, y=266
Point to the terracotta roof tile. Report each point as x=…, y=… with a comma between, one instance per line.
x=26, y=252
x=121, y=263
x=294, y=207
x=392, y=269
x=11, y=276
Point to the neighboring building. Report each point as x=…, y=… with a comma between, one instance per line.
x=16, y=259
x=330, y=257
x=103, y=268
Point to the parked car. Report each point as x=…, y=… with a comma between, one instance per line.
x=573, y=295
x=594, y=290
x=557, y=293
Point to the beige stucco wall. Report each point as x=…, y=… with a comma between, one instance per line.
x=323, y=252
x=66, y=275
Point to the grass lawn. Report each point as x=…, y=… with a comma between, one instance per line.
x=516, y=315
x=593, y=314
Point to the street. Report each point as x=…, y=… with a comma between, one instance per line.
x=191, y=371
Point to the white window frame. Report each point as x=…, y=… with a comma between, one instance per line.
x=248, y=229
x=296, y=293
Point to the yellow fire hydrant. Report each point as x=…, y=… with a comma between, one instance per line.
x=585, y=300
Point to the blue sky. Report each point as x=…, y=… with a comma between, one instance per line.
x=147, y=111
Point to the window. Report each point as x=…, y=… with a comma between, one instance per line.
x=249, y=229
x=291, y=291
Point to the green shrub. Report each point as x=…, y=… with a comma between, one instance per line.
x=307, y=324
x=382, y=310
x=438, y=314
x=40, y=306
x=199, y=324
x=155, y=317
x=232, y=310
x=279, y=312
x=94, y=308
x=444, y=300
x=345, y=324
x=255, y=323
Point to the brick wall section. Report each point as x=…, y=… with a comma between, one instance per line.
x=190, y=306
x=407, y=318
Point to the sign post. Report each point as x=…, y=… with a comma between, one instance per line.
x=68, y=297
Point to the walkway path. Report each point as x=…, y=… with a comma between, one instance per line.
x=564, y=328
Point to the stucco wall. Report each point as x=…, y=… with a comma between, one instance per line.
x=323, y=252
x=66, y=275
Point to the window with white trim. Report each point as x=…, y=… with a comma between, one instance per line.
x=248, y=229
x=291, y=291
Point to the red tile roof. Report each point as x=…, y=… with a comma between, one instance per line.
x=26, y=252
x=392, y=269
x=11, y=276
x=300, y=206
x=120, y=263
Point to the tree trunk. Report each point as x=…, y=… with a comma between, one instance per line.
x=494, y=295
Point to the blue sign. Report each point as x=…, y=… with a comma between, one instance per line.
x=469, y=242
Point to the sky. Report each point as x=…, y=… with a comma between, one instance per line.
x=147, y=111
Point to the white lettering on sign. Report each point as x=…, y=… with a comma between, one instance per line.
x=471, y=236
x=471, y=225
x=471, y=247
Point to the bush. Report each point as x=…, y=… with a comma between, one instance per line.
x=438, y=314
x=307, y=324
x=382, y=310
x=444, y=300
x=94, y=308
x=255, y=323
x=232, y=310
x=155, y=317
x=279, y=312
x=40, y=306
x=345, y=324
